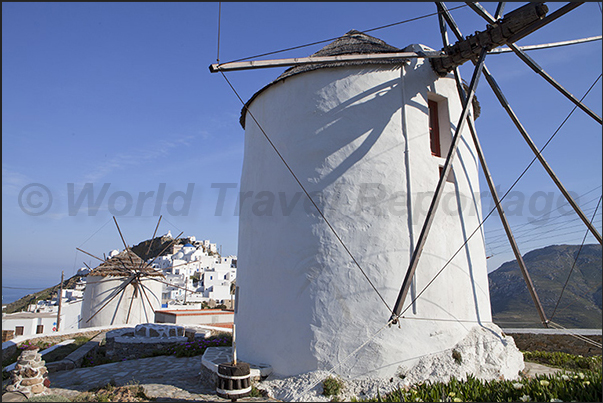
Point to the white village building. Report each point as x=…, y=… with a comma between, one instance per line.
x=84, y=306
x=213, y=273
x=368, y=140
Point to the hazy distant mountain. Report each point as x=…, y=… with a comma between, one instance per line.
x=48, y=293
x=549, y=267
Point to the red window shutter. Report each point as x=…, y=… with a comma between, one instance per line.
x=434, y=128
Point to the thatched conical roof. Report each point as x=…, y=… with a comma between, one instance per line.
x=124, y=264
x=353, y=42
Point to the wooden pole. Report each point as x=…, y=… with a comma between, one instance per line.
x=90, y=254
x=438, y=192
x=258, y=64
x=60, y=299
x=503, y=101
x=534, y=66
x=482, y=159
x=234, y=345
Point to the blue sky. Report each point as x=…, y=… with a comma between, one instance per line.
x=121, y=94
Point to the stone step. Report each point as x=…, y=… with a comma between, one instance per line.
x=214, y=356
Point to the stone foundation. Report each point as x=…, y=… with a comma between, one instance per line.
x=146, y=338
x=30, y=375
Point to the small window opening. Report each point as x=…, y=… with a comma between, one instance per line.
x=19, y=330
x=434, y=128
x=450, y=177
x=40, y=329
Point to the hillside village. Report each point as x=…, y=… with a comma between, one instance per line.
x=195, y=277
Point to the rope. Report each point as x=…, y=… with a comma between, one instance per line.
x=457, y=346
x=332, y=39
x=584, y=294
x=90, y=237
x=538, y=237
x=575, y=260
x=578, y=336
x=329, y=372
x=219, y=18
x=552, y=219
x=559, y=227
x=307, y=194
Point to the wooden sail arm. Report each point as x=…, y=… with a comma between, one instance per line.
x=255, y=64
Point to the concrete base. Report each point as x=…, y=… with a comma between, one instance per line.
x=214, y=356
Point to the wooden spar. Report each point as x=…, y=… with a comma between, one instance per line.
x=153, y=237
x=492, y=187
x=438, y=192
x=546, y=20
x=234, y=345
x=124, y=242
x=60, y=300
x=475, y=6
x=164, y=249
x=123, y=287
x=90, y=254
x=503, y=101
x=499, y=10
x=142, y=287
x=130, y=308
x=257, y=64
x=546, y=45
x=534, y=66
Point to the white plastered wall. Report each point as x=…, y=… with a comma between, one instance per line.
x=358, y=137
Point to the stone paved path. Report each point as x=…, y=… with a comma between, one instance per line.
x=534, y=369
x=166, y=378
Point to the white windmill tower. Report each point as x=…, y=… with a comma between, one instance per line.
x=121, y=290
x=124, y=288
x=363, y=164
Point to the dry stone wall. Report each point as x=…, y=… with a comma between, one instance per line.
x=30, y=375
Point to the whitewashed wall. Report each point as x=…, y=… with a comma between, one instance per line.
x=352, y=134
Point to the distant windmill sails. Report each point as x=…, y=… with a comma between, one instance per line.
x=121, y=290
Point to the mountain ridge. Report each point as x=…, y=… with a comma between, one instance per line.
x=549, y=267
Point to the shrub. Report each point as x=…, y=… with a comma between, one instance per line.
x=456, y=355
x=332, y=386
